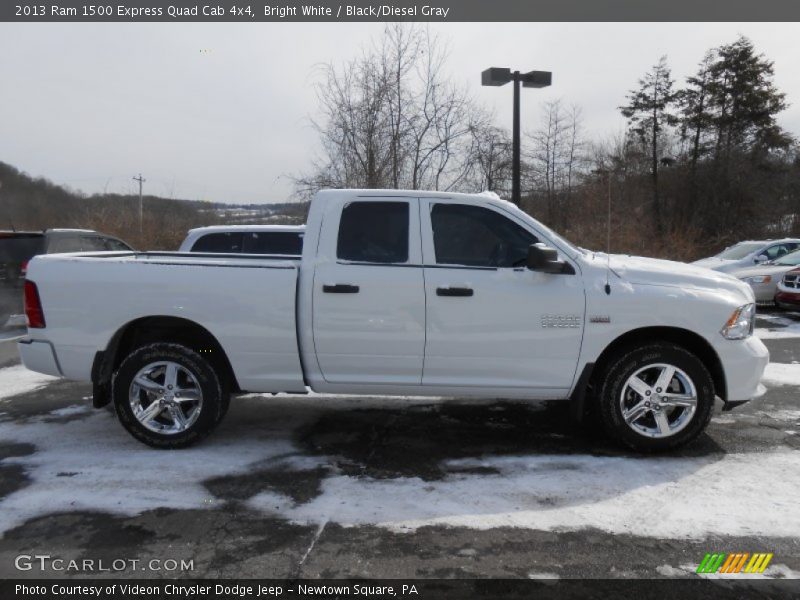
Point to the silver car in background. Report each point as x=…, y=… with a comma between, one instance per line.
x=749, y=253
x=765, y=277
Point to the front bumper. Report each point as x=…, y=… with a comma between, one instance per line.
x=764, y=292
x=744, y=362
x=787, y=299
x=39, y=356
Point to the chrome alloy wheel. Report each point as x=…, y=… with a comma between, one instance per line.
x=658, y=400
x=165, y=397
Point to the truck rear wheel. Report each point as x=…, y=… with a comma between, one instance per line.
x=168, y=396
x=656, y=397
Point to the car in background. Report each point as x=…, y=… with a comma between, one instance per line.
x=765, y=277
x=18, y=247
x=273, y=240
x=788, y=295
x=749, y=253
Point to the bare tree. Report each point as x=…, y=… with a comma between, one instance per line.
x=555, y=158
x=392, y=118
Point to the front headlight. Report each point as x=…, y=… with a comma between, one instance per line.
x=758, y=279
x=741, y=322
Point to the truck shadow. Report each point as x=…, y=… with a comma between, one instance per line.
x=425, y=460
x=423, y=441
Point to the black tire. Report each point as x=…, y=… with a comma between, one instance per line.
x=215, y=396
x=626, y=364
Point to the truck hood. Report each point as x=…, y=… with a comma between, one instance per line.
x=652, y=271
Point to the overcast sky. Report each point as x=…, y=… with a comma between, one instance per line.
x=91, y=105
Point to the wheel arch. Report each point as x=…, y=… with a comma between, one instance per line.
x=689, y=340
x=152, y=329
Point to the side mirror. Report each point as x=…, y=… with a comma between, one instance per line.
x=544, y=259
x=761, y=258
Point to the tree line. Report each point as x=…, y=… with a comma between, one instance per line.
x=35, y=204
x=702, y=163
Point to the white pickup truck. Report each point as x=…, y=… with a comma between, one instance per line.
x=399, y=293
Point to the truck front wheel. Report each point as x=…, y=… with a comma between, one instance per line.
x=168, y=396
x=656, y=397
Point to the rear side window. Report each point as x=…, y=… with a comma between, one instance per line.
x=19, y=248
x=273, y=242
x=477, y=237
x=374, y=232
x=227, y=242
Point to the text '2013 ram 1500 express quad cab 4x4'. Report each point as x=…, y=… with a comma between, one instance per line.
x=399, y=293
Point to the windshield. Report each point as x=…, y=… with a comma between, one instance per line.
x=790, y=260
x=740, y=250
x=571, y=248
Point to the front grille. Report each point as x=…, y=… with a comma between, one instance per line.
x=792, y=281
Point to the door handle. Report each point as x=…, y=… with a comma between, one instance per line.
x=340, y=288
x=454, y=291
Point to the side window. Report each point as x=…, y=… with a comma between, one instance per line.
x=477, y=237
x=375, y=232
x=273, y=242
x=777, y=251
x=64, y=244
x=226, y=243
x=92, y=243
x=115, y=245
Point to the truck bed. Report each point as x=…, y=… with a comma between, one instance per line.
x=247, y=302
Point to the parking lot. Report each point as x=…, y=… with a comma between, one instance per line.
x=316, y=486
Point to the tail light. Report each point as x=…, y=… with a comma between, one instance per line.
x=23, y=268
x=33, y=306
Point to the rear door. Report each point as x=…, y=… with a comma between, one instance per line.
x=368, y=297
x=491, y=322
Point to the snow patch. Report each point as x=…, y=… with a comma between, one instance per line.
x=575, y=492
x=782, y=374
x=18, y=380
x=533, y=575
x=669, y=571
x=69, y=411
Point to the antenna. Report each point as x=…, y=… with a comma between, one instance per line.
x=602, y=171
x=608, y=236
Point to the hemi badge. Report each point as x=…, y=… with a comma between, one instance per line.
x=600, y=319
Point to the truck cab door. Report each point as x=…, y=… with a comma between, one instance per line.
x=368, y=295
x=491, y=322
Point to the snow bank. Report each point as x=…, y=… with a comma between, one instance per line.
x=782, y=374
x=19, y=380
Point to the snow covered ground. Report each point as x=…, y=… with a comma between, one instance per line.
x=80, y=459
x=17, y=380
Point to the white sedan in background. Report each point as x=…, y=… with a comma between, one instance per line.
x=748, y=254
x=765, y=277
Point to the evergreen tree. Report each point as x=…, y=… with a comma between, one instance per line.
x=650, y=112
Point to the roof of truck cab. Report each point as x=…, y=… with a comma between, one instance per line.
x=225, y=228
x=405, y=193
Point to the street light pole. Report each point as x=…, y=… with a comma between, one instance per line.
x=516, y=193
x=496, y=76
x=141, y=180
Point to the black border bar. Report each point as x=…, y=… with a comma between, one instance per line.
x=410, y=589
x=141, y=11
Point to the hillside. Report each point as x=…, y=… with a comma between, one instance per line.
x=36, y=203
